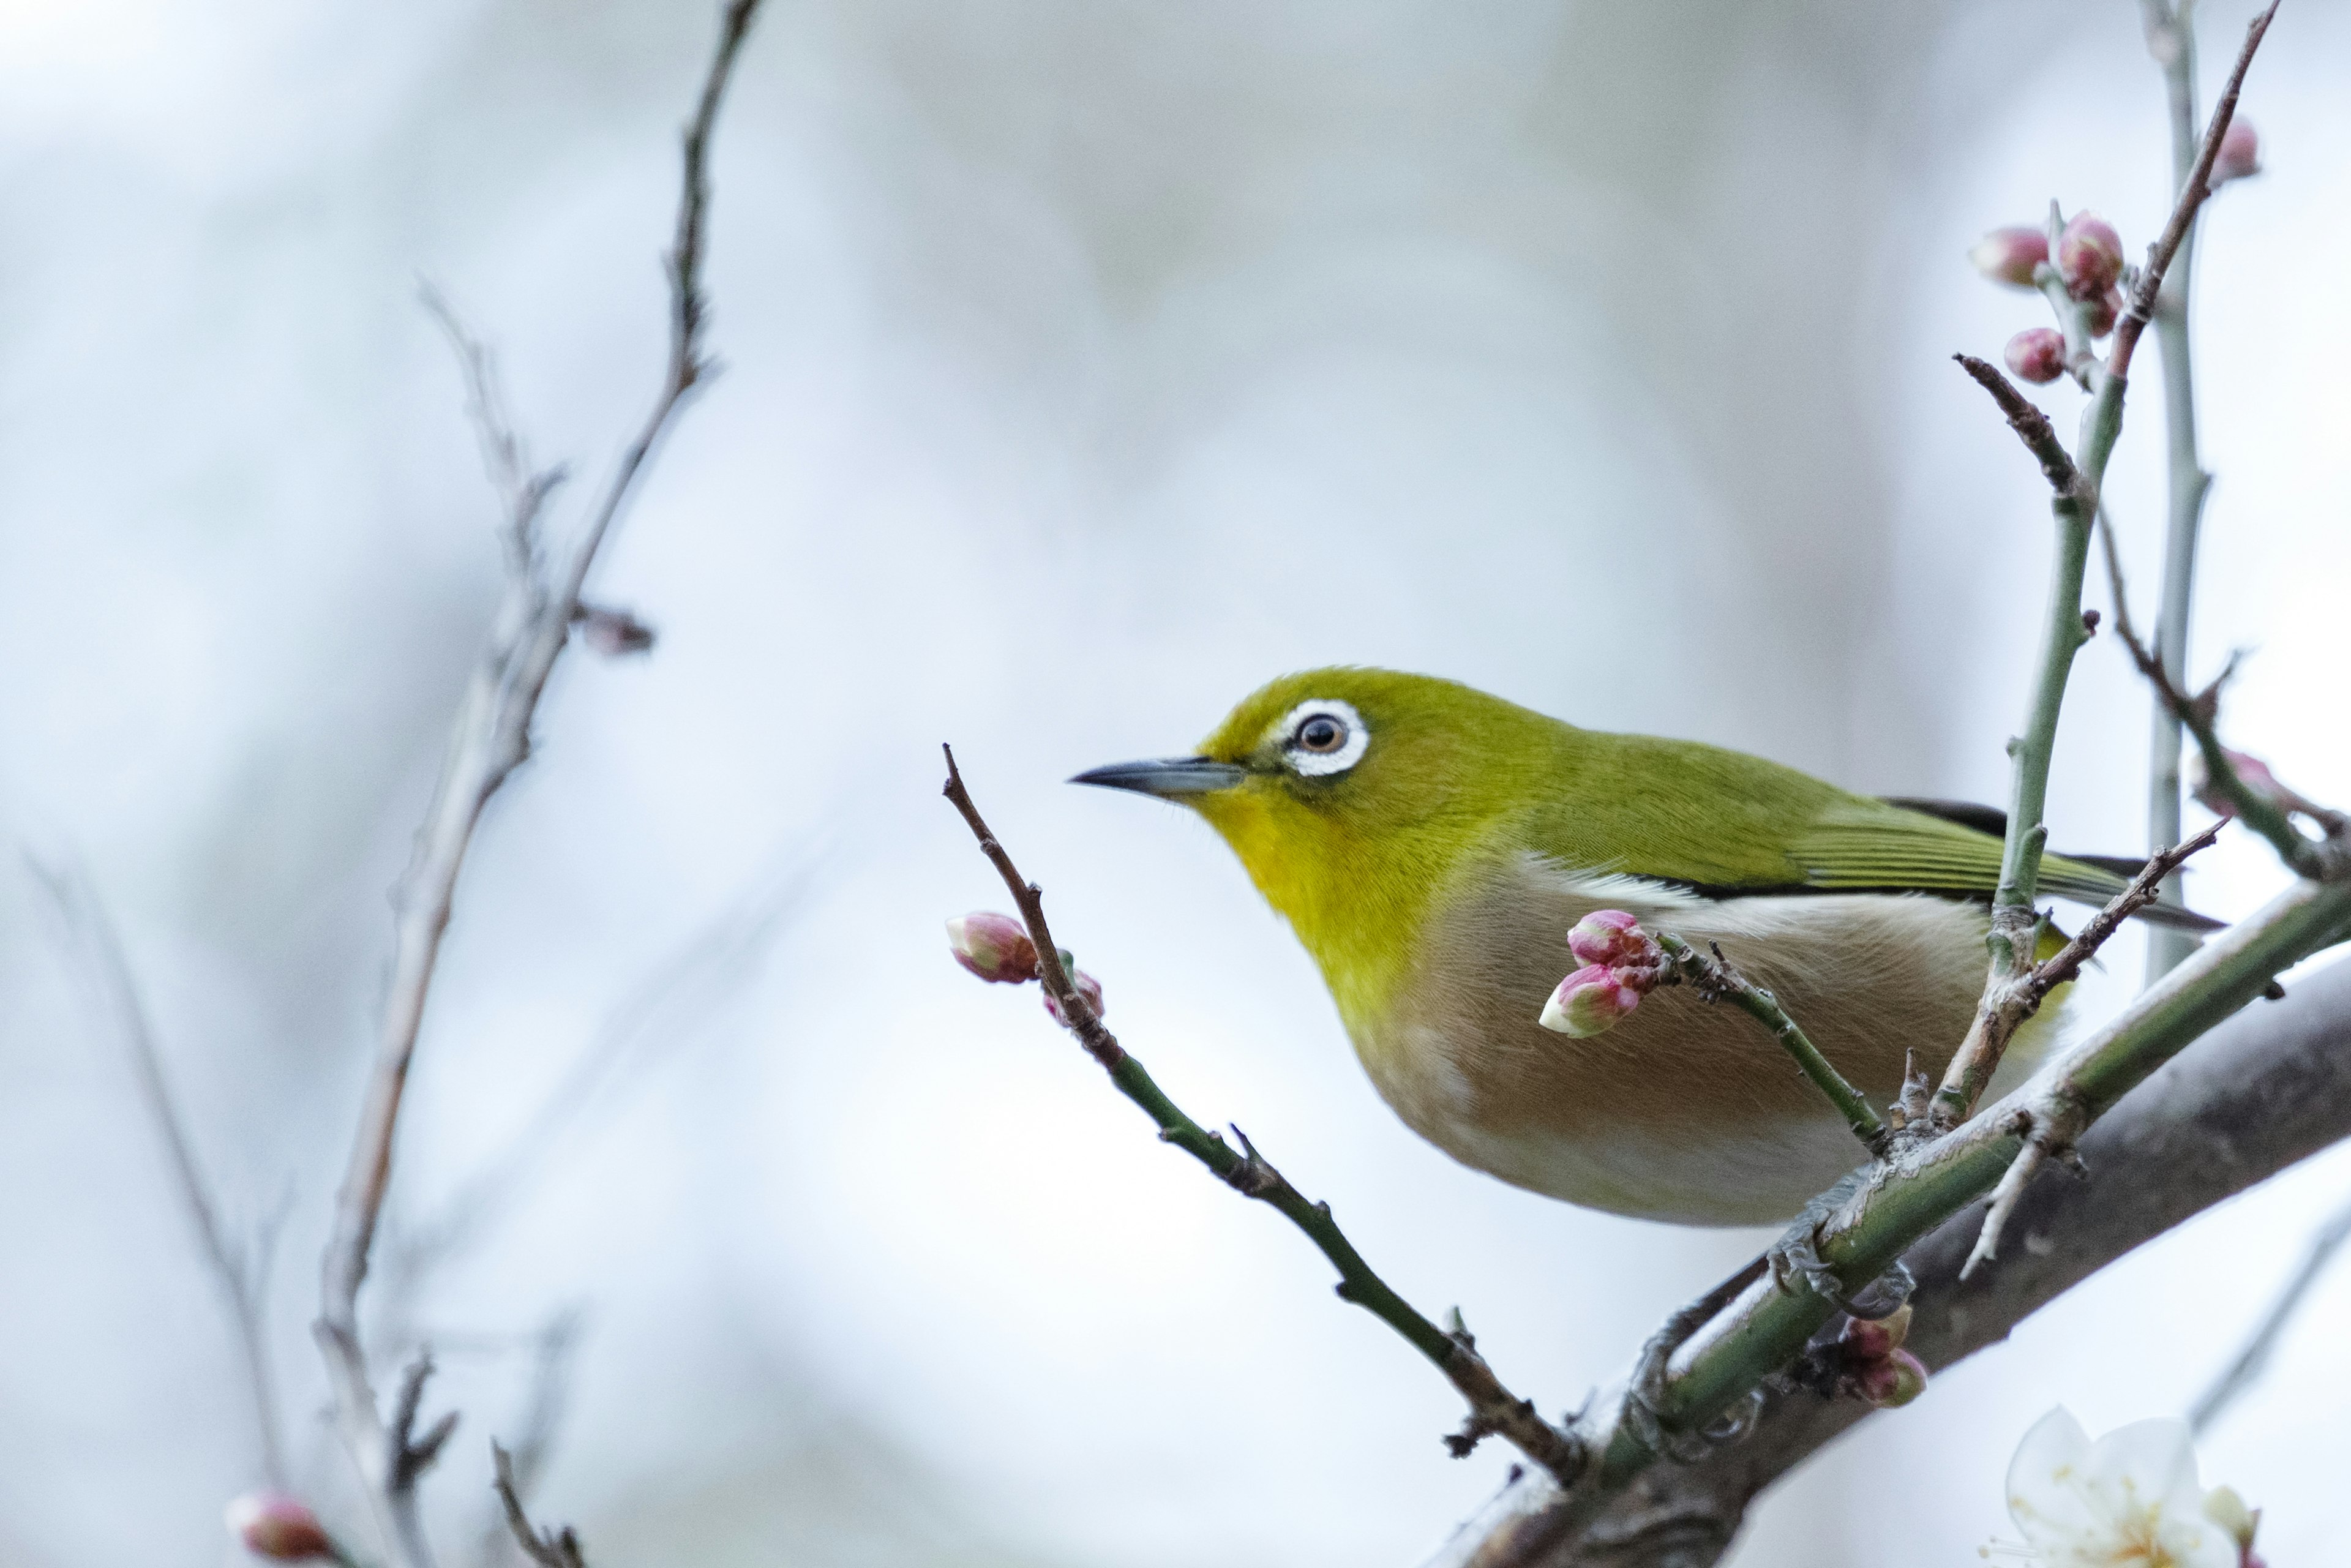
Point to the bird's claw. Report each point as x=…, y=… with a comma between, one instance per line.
x=1644, y=1397
x=1797, y=1256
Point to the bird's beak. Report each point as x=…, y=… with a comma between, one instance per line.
x=1169, y=777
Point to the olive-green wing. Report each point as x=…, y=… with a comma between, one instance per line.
x=1919, y=847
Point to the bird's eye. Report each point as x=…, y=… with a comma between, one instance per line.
x=1320, y=737
x=1322, y=733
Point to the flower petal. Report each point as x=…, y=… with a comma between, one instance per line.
x=2046, y=1494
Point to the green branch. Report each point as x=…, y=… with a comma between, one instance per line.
x=1714, y=979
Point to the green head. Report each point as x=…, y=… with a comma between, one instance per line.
x=1352, y=796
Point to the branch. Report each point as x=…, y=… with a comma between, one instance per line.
x=1715, y=979
x=2326, y=860
x=242, y=1278
x=489, y=740
x=2252, y=1361
x=1494, y=1408
x=2171, y=40
x=1767, y=1327
x=542, y=1413
x=2073, y=504
x=551, y=1549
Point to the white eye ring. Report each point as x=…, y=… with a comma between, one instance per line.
x=1323, y=764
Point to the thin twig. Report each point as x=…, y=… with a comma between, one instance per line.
x=1715, y=979
x=542, y=1413
x=2328, y=859
x=1492, y=1407
x=2252, y=1361
x=489, y=740
x=243, y=1277
x=550, y=1549
x=2171, y=40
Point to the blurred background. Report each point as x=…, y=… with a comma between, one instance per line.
x=1086, y=365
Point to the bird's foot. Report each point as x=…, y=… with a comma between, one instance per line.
x=1797, y=1256
x=1645, y=1395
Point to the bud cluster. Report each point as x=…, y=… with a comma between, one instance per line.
x=1622, y=964
x=998, y=948
x=2088, y=263
x=1876, y=1367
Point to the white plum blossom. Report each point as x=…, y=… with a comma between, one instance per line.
x=2131, y=1500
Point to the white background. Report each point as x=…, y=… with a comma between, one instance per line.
x=1087, y=364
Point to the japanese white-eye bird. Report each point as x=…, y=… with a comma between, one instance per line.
x=1432, y=846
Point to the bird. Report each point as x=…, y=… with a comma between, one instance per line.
x=1432, y=845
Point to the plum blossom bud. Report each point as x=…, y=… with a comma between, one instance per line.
x=1874, y=1339
x=2239, y=157
x=2224, y=1508
x=2008, y=256
x=1892, y=1381
x=1088, y=987
x=2037, y=355
x=279, y=1527
x=2100, y=315
x=994, y=946
x=1611, y=938
x=2252, y=772
x=1591, y=1000
x=2089, y=256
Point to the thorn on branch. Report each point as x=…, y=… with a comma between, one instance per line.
x=2048, y=1133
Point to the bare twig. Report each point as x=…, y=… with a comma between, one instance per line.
x=2327, y=858
x=489, y=740
x=1715, y=979
x=1493, y=1410
x=550, y=1549
x=242, y=1276
x=2251, y=1362
x=2171, y=40
x=542, y=1413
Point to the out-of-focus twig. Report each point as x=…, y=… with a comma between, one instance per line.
x=1494, y=1408
x=550, y=1389
x=2253, y=1360
x=242, y=1274
x=2171, y=40
x=490, y=738
x=557, y=1548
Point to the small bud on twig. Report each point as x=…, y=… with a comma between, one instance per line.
x=1874, y=1339
x=2239, y=157
x=283, y=1529
x=2037, y=355
x=2099, y=315
x=1591, y=1001
x=2089, y=256
x=2010, y=255
x=1612, y=938
x=1087, y=987
x=613, y=633
x=1892, y=1381
x=2256, y=776
x=994, y=946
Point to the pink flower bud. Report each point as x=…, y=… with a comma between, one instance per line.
x=2089, y=256
x=276, y=1526
x=2037, y=354
x=1087, y=987
x=994, y=946
x=2251, y=770
x=2099, y=315
x=1874, y=1339
x=2239, y=157
x=1891, y=1382
x=1611, y=938
x=2008, y=256
x=1591, y=1001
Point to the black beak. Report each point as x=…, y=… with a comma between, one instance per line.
x=1169, y=777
